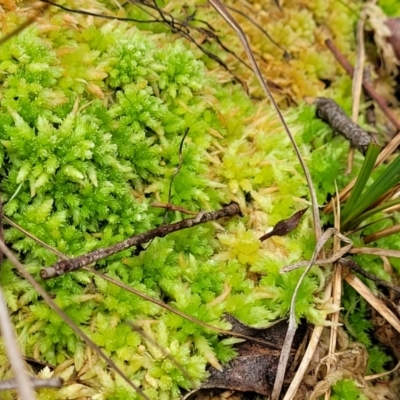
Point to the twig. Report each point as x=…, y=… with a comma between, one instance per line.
x=22, y=382
x=65, y=266
x=50, y=302
x=55, y=382
x=356, y=268
x=330, y=112
x=164, y=352
x=286, y=55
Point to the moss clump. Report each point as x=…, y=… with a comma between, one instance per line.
x=92, y=116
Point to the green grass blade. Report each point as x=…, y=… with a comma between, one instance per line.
x=363, y=176
x=370, y=213
x=383, y=183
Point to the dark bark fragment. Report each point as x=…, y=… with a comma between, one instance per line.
x=331, y=113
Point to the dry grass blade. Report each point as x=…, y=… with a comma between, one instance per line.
x=317, y=224
x=381, y=234
x=11, y=384
x=376, y=303
x=375, y=251
x=377, y=376
x=23, y=383
x=336, y=291
x=10, y=255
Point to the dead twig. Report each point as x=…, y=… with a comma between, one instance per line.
x=330, y=112
x=65, y=266
x=22, y=381
x=10, y=384
x=348, y=262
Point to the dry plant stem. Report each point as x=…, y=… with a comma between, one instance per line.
x=336, y=291
x=377, y=376
x=308, y=355
x=284, y=357
x=25, y=24
x=22, y=381
x=236, y=27
x=21, y=269
x=165, y=353
x=330, y=112
x=348, y=262
x=376, y=303
x=375, y=251
x=11, y=384
x=65, y=266
x=381, y=234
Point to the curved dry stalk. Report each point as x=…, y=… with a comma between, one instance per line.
x=284, y=357
x=21, y=269
x=22, y=382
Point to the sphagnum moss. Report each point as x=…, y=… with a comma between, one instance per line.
x=92, y=115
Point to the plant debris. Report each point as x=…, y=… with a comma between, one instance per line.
x=331, y=113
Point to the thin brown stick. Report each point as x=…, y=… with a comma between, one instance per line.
x=10, y=384
x=350, y=263
x=50, y=302
x=22, y=381
x=375, y=251
x=66, y=266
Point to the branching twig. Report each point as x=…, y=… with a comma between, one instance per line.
x=62, y=267
x=348, y=262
